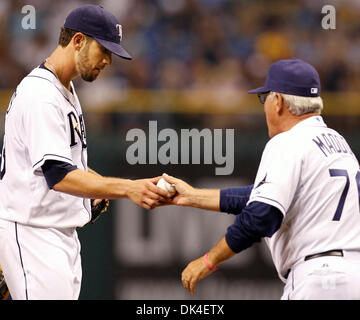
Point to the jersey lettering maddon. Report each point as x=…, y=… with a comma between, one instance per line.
x=311, y=175
x=44, y=121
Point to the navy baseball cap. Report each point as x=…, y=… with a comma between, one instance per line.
x=96, y=22
x=291, y=76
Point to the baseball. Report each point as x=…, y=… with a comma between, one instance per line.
x=166, y=186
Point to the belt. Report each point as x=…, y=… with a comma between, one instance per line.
x=333, y=253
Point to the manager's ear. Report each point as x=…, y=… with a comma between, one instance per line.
x=78, y=41
x=280, y=103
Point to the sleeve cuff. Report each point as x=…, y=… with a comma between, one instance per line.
x=270, y=202
x=50, y=156
x=54, y=171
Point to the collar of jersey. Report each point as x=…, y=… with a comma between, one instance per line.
x=47, y=75
x=314, y=121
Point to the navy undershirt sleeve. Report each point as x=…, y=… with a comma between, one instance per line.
x=256, y=221
x=233, y=200
x=54, y=171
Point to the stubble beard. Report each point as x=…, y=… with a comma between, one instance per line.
x=84, y=67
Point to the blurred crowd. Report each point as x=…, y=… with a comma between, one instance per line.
x=196, y=44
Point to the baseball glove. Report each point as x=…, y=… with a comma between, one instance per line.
x=4, y=291
x=98, y=209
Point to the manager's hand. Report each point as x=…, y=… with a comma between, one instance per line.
x=205, y=265
x=193, y=273
x=186, y=195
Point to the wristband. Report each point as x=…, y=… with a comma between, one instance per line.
x=208, y=265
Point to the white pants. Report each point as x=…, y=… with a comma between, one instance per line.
x=40, y=263
x=325, y=278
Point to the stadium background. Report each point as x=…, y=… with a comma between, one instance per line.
x=194, y=61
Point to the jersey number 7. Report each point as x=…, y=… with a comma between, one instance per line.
x=344, y=173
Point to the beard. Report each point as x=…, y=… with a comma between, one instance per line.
x=84, y=66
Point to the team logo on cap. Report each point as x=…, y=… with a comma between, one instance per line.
x=119, y=28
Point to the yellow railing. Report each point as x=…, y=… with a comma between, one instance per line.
x=193, y=101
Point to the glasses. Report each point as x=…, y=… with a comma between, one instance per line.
x=262, y=97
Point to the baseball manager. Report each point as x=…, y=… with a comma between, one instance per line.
x=304, y=201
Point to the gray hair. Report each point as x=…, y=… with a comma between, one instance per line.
x=298, y=105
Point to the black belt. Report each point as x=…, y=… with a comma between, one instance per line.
x=334, y=253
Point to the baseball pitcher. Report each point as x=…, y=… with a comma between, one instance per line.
x=46, y=185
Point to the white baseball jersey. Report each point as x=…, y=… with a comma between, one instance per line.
x=44, y=121
x=311, y=175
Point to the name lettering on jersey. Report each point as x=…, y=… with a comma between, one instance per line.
x=331, y=143
x=77, y=128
